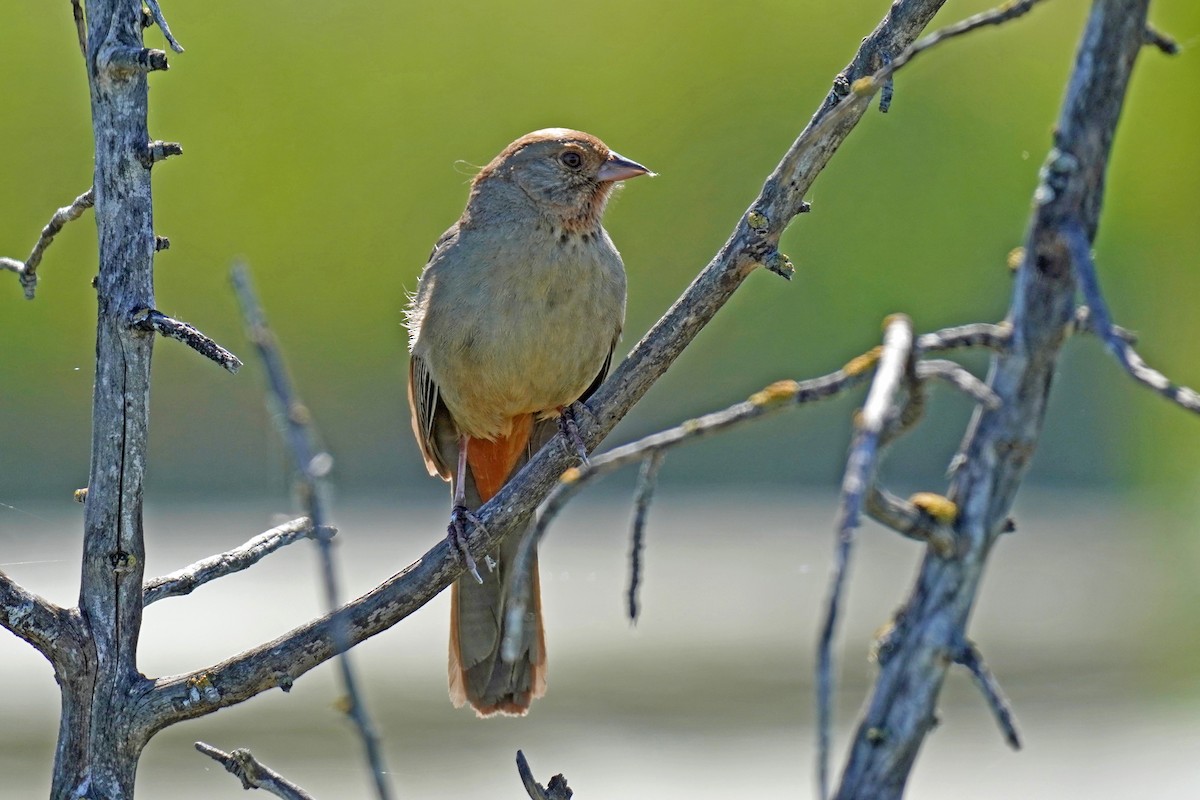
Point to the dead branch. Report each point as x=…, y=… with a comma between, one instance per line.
x=311, y=467
x=27, y=270
x=190, y=578
x=253, y=774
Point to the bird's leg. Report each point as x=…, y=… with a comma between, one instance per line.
x=460, y=515
x=568, y=426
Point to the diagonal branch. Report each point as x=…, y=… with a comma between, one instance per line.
x=312, y=465
x=27, y=270
x=1101, y=321
x=279, y=662
x=185, y=581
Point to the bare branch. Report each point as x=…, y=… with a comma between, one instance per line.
x=960, y=378
x=148, y=319
x=254, y=774
x=996, y=16
x=647, y=479
x=80, y=26
x=159, y=150
x=970, y=658
x=980, y=334
x=1085, y=272
x=27, y=269
x=49, y=628
x=133, y=59
x=910, y=520
x=311, y=468
x=161, y=22
x=188, y=579
x=859, y=476
x=557, y=789
x=1158, y=39
x=1083, y=321
x=999, y=443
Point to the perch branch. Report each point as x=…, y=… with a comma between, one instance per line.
x=278, y=663
x=557, y=789
x=1127, y=357
x=1158, y=39
x=148, y=319
x=27, y=270
x=311, y=467
x=859, y=476
x=188, y=579
x=253, y=774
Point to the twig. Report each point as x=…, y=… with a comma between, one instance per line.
x=647, y=478
x=311, y=468
x=148, y=319
x=960, y=378
x=909, y=520
x=1084, y=322
x=133, y=59
x=970, y=658
x=80, y=26
x=557, y=789
x=1089, y=283
x=161, y=22
x=859, y=476
x=188, y=579
x=1157, y=38
x=27, y=269
x=254, y=774
x=980, y=334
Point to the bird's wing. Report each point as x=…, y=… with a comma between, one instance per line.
x=429, y=414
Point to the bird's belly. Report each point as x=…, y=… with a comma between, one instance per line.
x=540, y=349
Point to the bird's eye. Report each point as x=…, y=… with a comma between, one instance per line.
x=571, y=159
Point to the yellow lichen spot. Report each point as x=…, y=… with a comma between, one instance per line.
x=860, y=364
x=863, y=86
x=80, y=495
x=343, y=705
x=777, y=392
x=890, y=318
x=941, y=508
x=201, y=681
x=856, y=419
x=757, y=220
x=570, y=476
x=1015, y=258
x=690, y=425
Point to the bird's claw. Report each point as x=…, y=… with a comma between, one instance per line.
x=568, y=426
x=456, y=533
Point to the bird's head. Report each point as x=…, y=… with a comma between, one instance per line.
x=567, y=175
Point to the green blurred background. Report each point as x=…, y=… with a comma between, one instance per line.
x=329, y=144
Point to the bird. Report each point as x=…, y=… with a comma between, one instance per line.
x=514, y=320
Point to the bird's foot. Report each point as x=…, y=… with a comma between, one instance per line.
x=456, y=533
x=568, y=426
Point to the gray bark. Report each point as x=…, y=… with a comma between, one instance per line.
x=929, y=633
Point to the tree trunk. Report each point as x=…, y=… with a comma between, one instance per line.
x=98, y=747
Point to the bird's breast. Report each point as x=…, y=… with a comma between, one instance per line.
x=534, y=331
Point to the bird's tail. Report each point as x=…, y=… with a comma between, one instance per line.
x=477, y=673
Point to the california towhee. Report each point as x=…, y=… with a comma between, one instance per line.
x=514, y=319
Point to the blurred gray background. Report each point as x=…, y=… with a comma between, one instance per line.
x=329, y=145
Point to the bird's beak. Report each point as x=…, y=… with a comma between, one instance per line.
x=619, y=168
